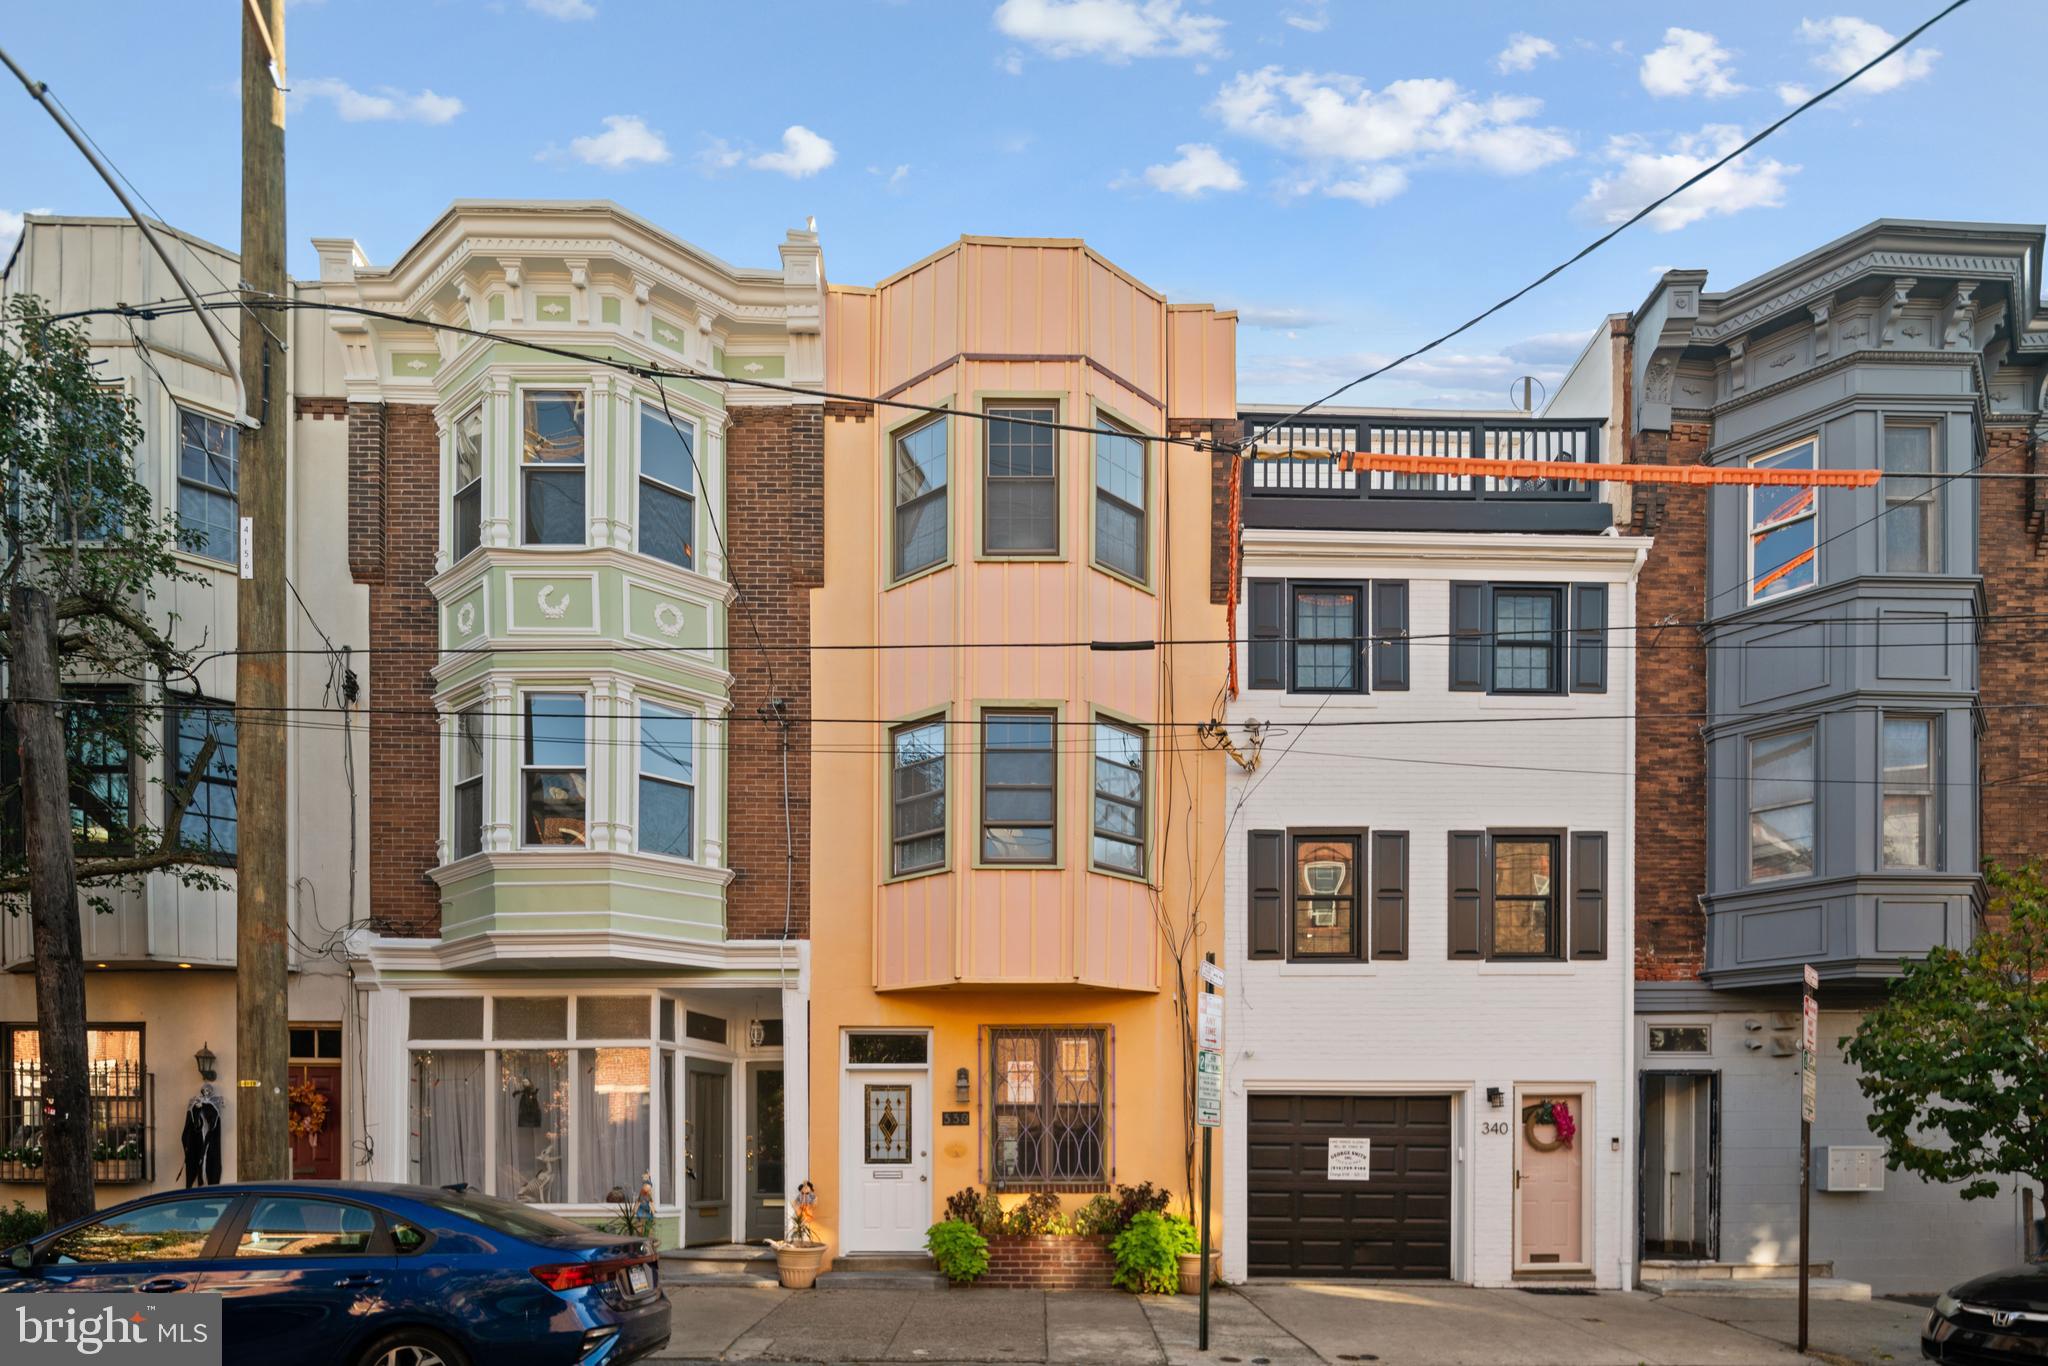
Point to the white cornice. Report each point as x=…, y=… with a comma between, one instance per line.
x=766, y=962
x=1466, y=547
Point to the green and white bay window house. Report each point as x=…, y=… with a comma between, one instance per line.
x=581, y=1016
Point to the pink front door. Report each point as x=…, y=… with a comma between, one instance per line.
x=1549, y=1224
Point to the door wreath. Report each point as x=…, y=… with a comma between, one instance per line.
x=1554, y=1113
x=308, y=1111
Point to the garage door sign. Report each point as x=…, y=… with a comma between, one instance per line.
x=1350, y=1159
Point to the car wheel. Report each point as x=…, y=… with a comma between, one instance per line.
x=412, y=1347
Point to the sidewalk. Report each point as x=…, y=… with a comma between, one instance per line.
x=1276, y=1324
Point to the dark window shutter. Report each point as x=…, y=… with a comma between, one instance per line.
x=1266, y=601
x=1267, y=884
x=1589, y=894
x=1589, y=637
x=1389, y=894
x=1468, y=639
x=1470, y=893
x=1389, y=634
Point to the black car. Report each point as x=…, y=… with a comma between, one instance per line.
x=2002, y=1317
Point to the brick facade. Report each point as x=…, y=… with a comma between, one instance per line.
x=1671, y=699
x=393, y=526
x=775, y=543
x=2013, y=750
x=1048, y=1263
x=1223, y=465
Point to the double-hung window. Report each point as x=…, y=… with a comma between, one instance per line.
x=920, y=537
x=466, y=508
x=1528, y=640
x=1329, y=627
x=1908, y=751
x=1782, y=804
x=668, y=502
x=1527, y=917
x=917, y=797
x=1020, y=502
x=1120, y=542
x=1048, y=1126
x=117, y=1083
x=555, y=760
x=1119, y=798
x=1784, y=527
x=1325, y=898
x=468, y=814
x=1017, y=787
x=552, y=467
x=209, y=822
x=1912, y=501
x=208, y=481
x=668, y=787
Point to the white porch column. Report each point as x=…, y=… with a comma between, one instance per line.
x=386, y=1081
x=796, y=1071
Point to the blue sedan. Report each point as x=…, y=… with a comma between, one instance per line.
x=319, y=1272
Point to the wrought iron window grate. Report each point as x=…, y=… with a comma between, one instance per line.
x=1048, y=1118
x=123, y=1132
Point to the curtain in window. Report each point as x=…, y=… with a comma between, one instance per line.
x=612, y=1100
x=448, y=1118
x=533, y=1125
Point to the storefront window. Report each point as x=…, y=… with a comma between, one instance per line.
x=533, y=1130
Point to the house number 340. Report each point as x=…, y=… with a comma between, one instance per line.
x=1493, y=1126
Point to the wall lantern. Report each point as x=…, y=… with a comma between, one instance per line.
x=963, y=1087
x=1493, y=1097
x=757, y=1033
x=204, y=1057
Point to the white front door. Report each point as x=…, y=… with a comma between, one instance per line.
x=885, y=1146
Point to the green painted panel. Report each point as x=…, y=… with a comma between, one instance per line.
x=464, y=619
x=609, y=309
x=546, y=603
x=551, y=308
x=666, y=618
x=582, y=900
x=673, y=335
x=752, y=367
x=415, y=364
x=497, y=308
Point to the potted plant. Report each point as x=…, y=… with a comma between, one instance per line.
x=799, y=1257
x=1187, y=1241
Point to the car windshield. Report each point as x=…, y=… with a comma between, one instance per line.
x=503, y=1216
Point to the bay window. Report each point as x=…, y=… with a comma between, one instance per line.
x=554, y=765
x=1020, y=485
x=668, y=792
x=668, y=501
x=1912, y=502
x=466, y=506
x=1784, y=527
x=1120, y=542
x=918, y=797
x=468, y=806
x=210, y=818
x=551, y=461
x=1781, y=804
x=1119, y=813
x=921, y=532
x=1017, y=787
x=1907, y=748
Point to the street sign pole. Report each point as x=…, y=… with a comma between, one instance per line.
x=1809, y=1041
x=1208, y=1112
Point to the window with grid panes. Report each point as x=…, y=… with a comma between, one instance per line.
x=554, y=763
x=1119, y=798
x=552, y=467
x=211, y=820
x=1784, y=527
x=468, y=814
x=921, y=522
x=1047, y=1122
x=1912, y=501
x=1328, y=625
x=1782, y=804
x=98, y=741
x=1527, y=640
x=1020, y=494
x=1908, y=754
x=467, y=506
x=1017, y=787
x=1526, y=915
x=209, y=480
x=1325, y=897
x=668, y=503
x=668, y=784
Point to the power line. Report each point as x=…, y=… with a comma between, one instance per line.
x=1638, y=216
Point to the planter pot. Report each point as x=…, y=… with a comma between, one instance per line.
x=1191, y=1271
x=798, y=1264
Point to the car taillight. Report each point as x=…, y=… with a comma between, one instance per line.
x=574, y=1275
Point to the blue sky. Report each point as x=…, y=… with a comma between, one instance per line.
x=1353, y=175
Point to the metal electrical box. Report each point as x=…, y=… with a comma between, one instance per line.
x=1844, y=1168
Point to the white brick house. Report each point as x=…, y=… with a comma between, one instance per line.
x=1428, y=920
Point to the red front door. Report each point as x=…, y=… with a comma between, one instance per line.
x=316, y=1127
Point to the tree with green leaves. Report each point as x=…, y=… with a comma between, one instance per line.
x=1955, y=1062
x=86, y=553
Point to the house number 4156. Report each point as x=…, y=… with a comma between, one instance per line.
x=1493, y=1126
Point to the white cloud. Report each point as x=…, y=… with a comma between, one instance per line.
x=1641, y=173
x=720, y=155
x=1201, y=168
x=803, y=153
x=386, y=105
x=1114, y=30
x=1523, y=51
x=1791, y=92
x=563, y=9
x=1376, y=137
x=1690, y=63
x=1479, y=378
x=1313, y=17
x=625, y=141
x=892, y=181
x=1011, y=63
x=1848, y=43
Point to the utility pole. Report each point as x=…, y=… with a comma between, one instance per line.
x=262, y=1039
x=1809, y=1047
x=53, y=909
